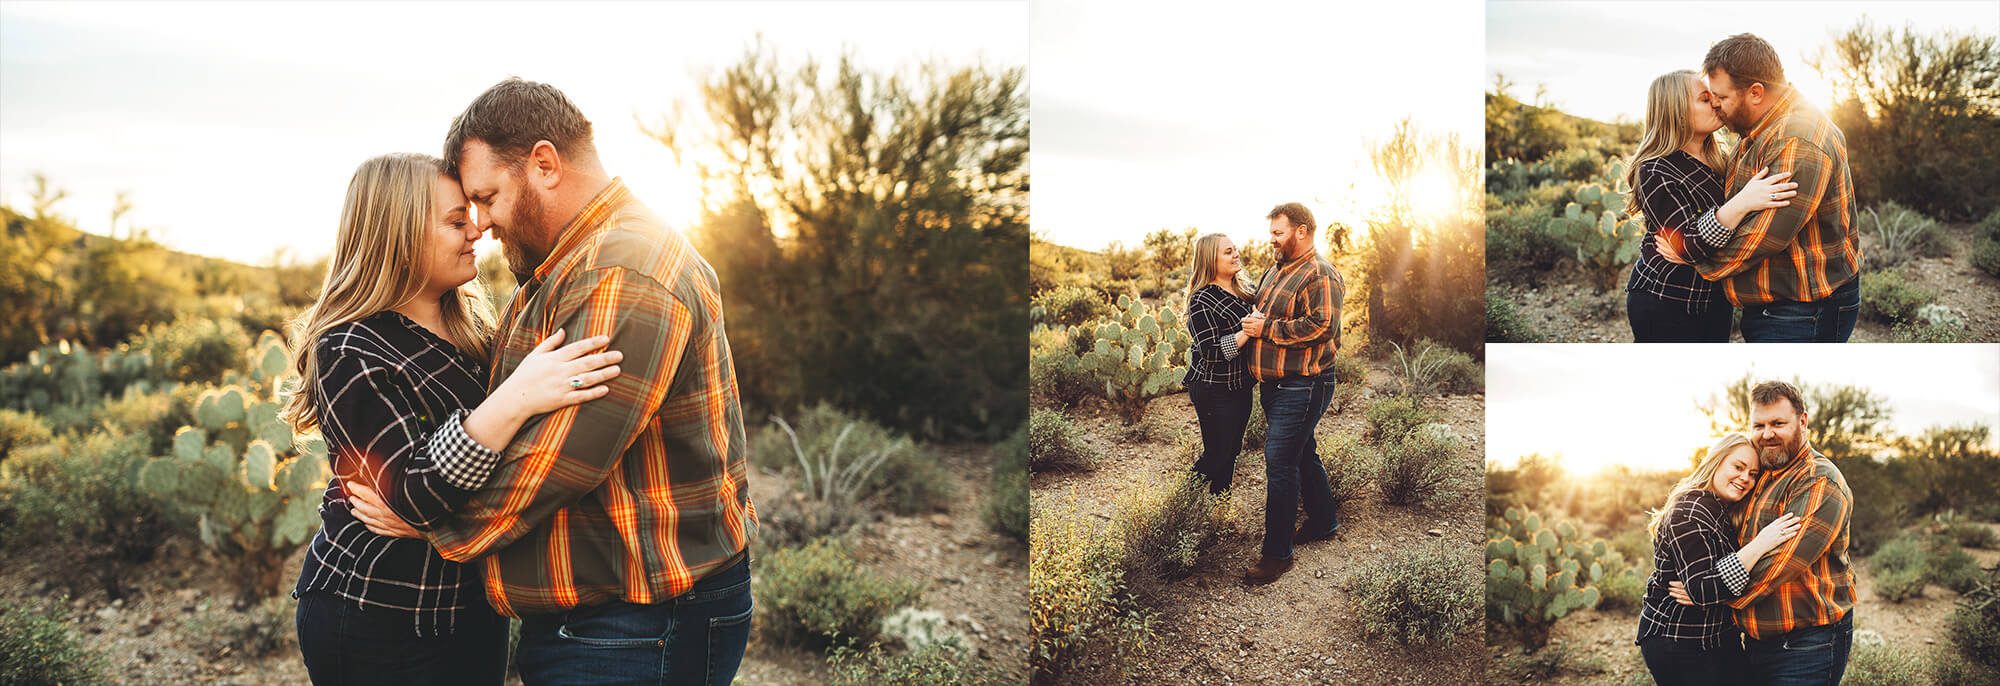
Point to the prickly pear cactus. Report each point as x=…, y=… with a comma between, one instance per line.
x=1606, y=240
x=64, y=374
x=1139, y=353
x=1537, y=573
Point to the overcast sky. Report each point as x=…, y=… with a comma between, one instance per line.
x=1635, y=404
x=1156, y=115
x=1597, y=58
x=236, y=126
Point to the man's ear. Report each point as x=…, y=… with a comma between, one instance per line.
x=1755, y=93
x=546, y=164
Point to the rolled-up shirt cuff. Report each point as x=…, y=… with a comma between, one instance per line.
x=463, y=461
x=1228, y=345
x=1734, y=576
x=1710, y=230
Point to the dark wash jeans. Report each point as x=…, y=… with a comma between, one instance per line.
x=1223, y=414
x=1677, y=663
x=1657, y=320
x=1824, y=321
x=695, y=638
x=1292, y=470
x=1801, y=657
x=345, y=643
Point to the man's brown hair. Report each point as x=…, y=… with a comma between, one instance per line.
x=1296, y=214
x=1746, y=59
x=512, y=116
x=1770, y=391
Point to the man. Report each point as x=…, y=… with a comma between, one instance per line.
x=1798, y=612
x=1794, y=270
x=1294, y=332
x=616, y=530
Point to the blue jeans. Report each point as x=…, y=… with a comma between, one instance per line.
x=345, y=643
x=695, y=638
x=1292, y=470
x=1813, y=655
x=1823, y=321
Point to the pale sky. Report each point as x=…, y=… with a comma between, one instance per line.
x=236, y=126
x=1169, y=115
x=1597, y=58
x=1635, y=404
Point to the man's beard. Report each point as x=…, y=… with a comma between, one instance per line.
x=1777, y=456
x=525, y=220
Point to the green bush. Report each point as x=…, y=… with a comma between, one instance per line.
x=1166, y=527
x=1951, y=567
x=1390, y=419
x=1056, y=379
x=1067, y=306
x=1986, y=244
x=1901, y=234
x=39, y=648
x=932, y=665
x=818, y=596
x=1902, y=568
x=1949, y=668
x=1416, y=469
x=1975, y=631
x=1007, y=502
x=1350, y=466
x=1505, y=324
x=1055, y=444
x=1538, y=573
x=1621, y=591
x=260, y=630
x=153, y=414
x=1457, y=373
x=1970, y=535
x=1886, y=297
x=1080, y=617
x=193, y=349
x=908, y=481
x=1422, y=595
x=1879, y=664
x=81, y=491
x=20, y=430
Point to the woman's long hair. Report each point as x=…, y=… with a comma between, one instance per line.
x=1202, y=272
x=378, y=264
x=1667, y=129
x=1703, y=476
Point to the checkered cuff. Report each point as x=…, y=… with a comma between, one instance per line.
x=1734, y=576
x=1228, y=344
x=1712, y=233
x=463, y=461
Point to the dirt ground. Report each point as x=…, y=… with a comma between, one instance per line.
x=1564, y=309
x=978, y=579
x=1301, y=629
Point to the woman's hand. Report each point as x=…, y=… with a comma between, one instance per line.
x=368, y=507
x=552, y=378
x=1761, y=193
x=1777, y=532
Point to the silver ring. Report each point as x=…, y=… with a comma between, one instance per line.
x=575, y=382
x=1774, y=196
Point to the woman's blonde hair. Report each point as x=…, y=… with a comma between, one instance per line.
x=1667, y=129
x=1202, y=272
x=378, y=264
x=1703, y=476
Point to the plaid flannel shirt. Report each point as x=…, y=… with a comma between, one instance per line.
x=1213, y=318
x=636, y=495
x=1695, y=547
x=1803, y=251
x=1301, y=299
x=1807, y=581
x=1674, y=192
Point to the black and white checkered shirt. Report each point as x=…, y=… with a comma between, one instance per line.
x=1694, y=547
x=1679, y=193
x=1213, y=318
x=392, y=404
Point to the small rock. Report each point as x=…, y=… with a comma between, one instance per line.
x=107, y=614
x=1435, y=532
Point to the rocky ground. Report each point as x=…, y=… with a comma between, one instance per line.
x=1301, y=629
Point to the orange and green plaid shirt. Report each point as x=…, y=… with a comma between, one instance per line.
x=1301, y=299
x=1806, y=581
x=638, y=494
x=1803, y=251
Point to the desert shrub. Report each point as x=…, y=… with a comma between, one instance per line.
x=1055, y=444
x=932, y=665
x=194, y=349
x=818, y=596
x=1419, y=370
x=1504, y=323
x=1974, y=630
x=1078, y=612
x=153, y=414
x=38, y=648
x=1166, y=527
x=1879, y=664
x=842, y=464
x=1949, y=668
x=1350, y=466
x=1951, y=567
x=1621, y=590
x=1901, y=569
x=1886, y=297
x=81, y=490
x=1390, y=419
x=1518, y=242
x=1007, y=501
x=1900, y=233
x=1933, y=323
x=1457, y=373
x=1986, y=250
x=1067, y=306
x=20, y=430
x=1424, y=595
x=1056, y=379
x=261, y=629
x=1416, y=469
x=1970, y=535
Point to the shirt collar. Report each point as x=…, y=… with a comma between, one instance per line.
x=1777, y=112
x=585, y=223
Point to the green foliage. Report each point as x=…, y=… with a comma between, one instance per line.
x=69, y=376
x=1423, y=595
x=1971, y=535
x=1505, y=324
x=1622, y=590
x=20, y=430
x=1901, y=569
x=1056, y=379
x=1055, y=444
x=1138, y=355
x=80, y=491
x=841, y=466
x=1933, y=323
x=1430, y=368
x=37, y=648
x=1879, y=664
x=1007, y=499
x=1067, y=306
x=1974, y=628
x=1537, y=574
x=1986, y=255
x=933, y=665
x=1920, y=124
x=1886, y=297
x=1392, y=418
x=1952, y=567
x=1167, y=527
x=1900, y=235
x=818, y=596
x=193, y=349
x=259, y=630
x=1417, y=468
x=1350, y=466
x=1080, y=617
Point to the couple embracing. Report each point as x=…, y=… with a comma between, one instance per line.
x=1752, y=583
x=1279, y=338
x=577, y=464
x=1768, y=227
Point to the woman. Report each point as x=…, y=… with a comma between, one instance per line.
x=1676, y=179
x=1693, y=539
x=1218, y=381
x=389, y=362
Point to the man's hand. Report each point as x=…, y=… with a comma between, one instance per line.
x=1254, y=324
x=368, y=507
x=1680, y=592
